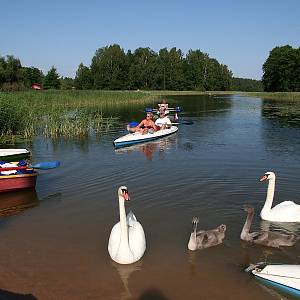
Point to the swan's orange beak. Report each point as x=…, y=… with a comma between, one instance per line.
x=263, y=178
x=126, y=196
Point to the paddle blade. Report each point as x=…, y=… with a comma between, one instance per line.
x=46, y=165
x=187, y=122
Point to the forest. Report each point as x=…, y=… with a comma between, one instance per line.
x=112, y=68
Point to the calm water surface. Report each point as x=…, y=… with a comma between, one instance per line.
x=57, y=248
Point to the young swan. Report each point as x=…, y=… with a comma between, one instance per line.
x=265, y=238
x=205, y=238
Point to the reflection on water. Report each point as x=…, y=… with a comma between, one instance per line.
x=153, y=294
x=7, y=295
x=12, y=203
x=287, y=228
x=125, y=272
x=210, y=168
x=150, y=148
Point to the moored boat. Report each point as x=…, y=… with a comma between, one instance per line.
x=13, y=154
x=137, y=137
x=17, y=181
x=282, y=276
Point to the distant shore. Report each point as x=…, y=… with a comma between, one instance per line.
x=266, y=95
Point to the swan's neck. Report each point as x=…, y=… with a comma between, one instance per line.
x=192, y=245
x=246, y=229
x=123, y=223
x=270, y=196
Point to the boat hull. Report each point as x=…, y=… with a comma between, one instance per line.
x=134, y=138
x=286, y=277
x=16, y=182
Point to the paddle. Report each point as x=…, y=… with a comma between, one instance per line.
x=42, y=166
x=184, y=123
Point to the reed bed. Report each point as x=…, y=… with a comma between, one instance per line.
x=289, y=96
x=54, y=114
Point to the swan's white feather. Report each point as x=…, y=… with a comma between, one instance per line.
x=287, y=211
x=114, y=240
x=136, y=236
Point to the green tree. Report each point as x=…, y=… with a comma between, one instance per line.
x=196, y=70
x=32, y=75
x=281, y=70
x=66, y=83
x=171, y=69
x=246, y=85
x=51, y=80
x=83, y=79
x=11, y=73
x=2, y=70
x=143, y=70
x=109, y=68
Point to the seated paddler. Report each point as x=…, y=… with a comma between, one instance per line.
x=146, y=126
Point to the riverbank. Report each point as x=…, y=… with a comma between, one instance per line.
x=266, y=95
x=77, y=113
x=56, y=113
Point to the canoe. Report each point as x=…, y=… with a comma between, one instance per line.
x=282, y=276
x=18, y=181
x=137, y=137
x=13, y=154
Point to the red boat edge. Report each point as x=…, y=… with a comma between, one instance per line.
x=16, y=182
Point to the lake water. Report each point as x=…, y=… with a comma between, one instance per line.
x=57, y=248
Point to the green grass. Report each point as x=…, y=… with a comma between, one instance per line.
x=53, y=114
x=74, y=113
x=290, y=96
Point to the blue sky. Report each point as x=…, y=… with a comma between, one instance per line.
x=63, y=34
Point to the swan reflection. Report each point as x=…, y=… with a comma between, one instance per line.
x=285, y=227
x=125, y=272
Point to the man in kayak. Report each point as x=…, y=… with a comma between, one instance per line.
x=163, y=106
x=163, y=122
x=146, y=126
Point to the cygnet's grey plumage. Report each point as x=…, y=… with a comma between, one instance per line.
x=265, y=238
x=205, y=238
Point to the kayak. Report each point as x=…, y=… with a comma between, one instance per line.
x=283, y=276
x=13, y=154
x=137, y=137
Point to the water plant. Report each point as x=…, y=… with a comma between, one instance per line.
x=62, y=113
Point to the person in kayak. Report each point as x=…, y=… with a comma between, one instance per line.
x=163, y=122
x=146, y=126
x=163, y=106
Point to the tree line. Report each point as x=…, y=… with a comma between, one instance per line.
x=282, y=70
x=246, y=85
x=113, y=69
x=15, y=77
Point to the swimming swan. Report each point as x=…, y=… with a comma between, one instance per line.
x=205, y=238
x=265, y=238
x=287, y=211
x=127, y=242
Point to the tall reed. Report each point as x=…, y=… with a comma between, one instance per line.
x=62, y=113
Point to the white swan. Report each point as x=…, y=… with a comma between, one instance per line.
x=287, y=211
x=127, y=242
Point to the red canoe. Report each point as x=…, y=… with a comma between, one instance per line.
x=19, y=181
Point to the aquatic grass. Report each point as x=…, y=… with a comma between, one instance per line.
x=62, y=113
x=289, y=96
